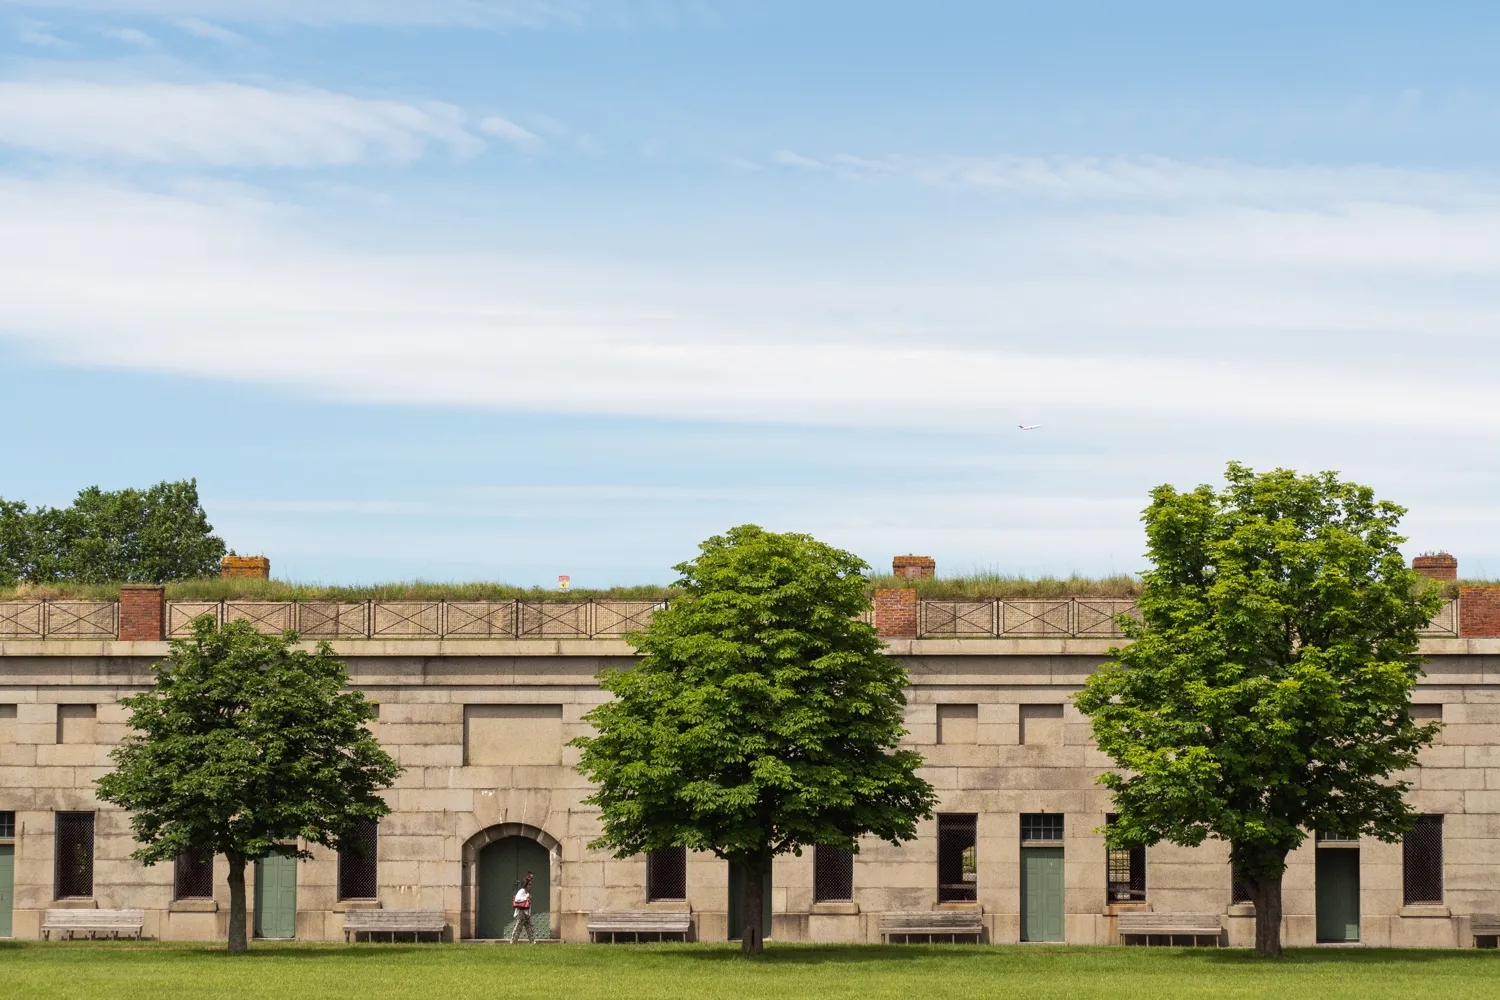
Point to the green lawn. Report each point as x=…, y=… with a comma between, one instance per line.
x=124, y=971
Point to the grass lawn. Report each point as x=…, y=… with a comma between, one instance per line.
x=124, y=971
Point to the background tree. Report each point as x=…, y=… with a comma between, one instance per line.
x=107, y=536
x=243, y=746
x=1265, y=692
x=763, y=717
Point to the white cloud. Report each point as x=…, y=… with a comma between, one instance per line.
x=222, y=124
x=213, y=32
x=461, y=13
x=36, y=33
x=130, y=36
x=229, y=289
x=512, y=133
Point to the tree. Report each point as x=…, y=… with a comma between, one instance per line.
x=763, y=717
x=1266, y=689
x=122, y=536
x=244, y=745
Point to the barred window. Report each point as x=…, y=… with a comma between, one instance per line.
x=1041, y=826
x=74, y=859
x=1336, y=838
x=958, y=859
x=666, y=874
x=193, y=875
x=1125, y=872
x=1239, y=886
x=833, y=874
x=7, y=825
x=1422, y=862
x=358, y=874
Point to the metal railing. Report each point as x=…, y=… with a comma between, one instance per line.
x=514, y=619
x=59, y=619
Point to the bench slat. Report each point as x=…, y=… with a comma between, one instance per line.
x=643, y=921
x=113, y=921
x=1201, y=924
x=932, y=924
x=1485, y=924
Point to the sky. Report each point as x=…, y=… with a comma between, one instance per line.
x=508, y=289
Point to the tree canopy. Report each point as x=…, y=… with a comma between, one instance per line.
x=1265, y=692
x=244, y=746
x=153, y=535
x=762, y=718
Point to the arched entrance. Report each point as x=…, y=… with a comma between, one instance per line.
x=495, y=860
x=501, y=866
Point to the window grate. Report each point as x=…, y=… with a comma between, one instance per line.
x=958, y=858
x=74, y=871
x=193, y=875
x=1422, y=862
x=833, y=874
x=358, y=870
x=1041, y=826
x=666, y=874
x=1239, y=886
x=1336, y=838
x=7, y=825
x=1125, y=873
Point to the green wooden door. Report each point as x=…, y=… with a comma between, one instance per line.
x=1338, y=893
x=502, y=865
x=737, y=903
x=7, y=886
x=1041, y=894
x=276, y=897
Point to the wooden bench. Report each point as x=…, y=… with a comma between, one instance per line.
x=111, y=922
x=1169, y=928
x=649, y=925
x=933, y=925
x=1486, y=929
x=393, y=922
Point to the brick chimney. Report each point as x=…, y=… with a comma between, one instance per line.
x=252, y=567
x=1436, y=566
x=896, y=612
x=914, y=567
x=143, y=612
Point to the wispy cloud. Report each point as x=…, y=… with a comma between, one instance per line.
x=222, y=124
x=39, y=35
x=213, y=32
x=130, y=36
x=512, y=133
x=461, y=13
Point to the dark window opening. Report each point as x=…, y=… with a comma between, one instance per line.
x=1239, y=886
x=666, y=874
x=74, y=872
x=958, y=859
x=7, y=825
x=1041, y=826
x=1125, y=873
x=833, y=874
x=1422, y=862
x=193, y=875
x=358, y=872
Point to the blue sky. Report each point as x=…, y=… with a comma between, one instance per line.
x=502, y=289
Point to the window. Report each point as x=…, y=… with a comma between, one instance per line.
x=1125, y=873
x=358, y=875
x=7, y=825
x=666, y=874
x=1422, y=863
x=1239, y=887
x=833, y=874
x=513, y=734
x=1041, y=826
x=75, y=723
x=74, y=872
x=958, y=723
x=1042, y=725
x=1336, y=838
x=958, y=859
x=193, y=875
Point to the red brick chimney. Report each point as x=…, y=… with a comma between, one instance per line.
x=914, y=567
x=254, y=567
x=1436, y=566
x=143, y=612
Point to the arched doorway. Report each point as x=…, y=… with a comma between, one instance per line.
x=499, y=870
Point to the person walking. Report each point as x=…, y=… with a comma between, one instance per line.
x=522, y=906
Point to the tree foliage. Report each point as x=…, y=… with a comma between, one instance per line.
x=129, y=536
x=1266, y=689
x=244, y=746
x=763, y=717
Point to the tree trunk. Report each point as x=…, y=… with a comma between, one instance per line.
x=751, y=931
x=1266, y=894
x=237, y=941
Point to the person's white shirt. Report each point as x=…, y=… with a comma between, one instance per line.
x=523, y=899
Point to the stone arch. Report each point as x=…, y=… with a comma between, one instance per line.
x=469, y=889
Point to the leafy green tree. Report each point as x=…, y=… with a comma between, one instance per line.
x=128, y=536
x=1266, y=689
x=244, y=746
x=763, y=717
